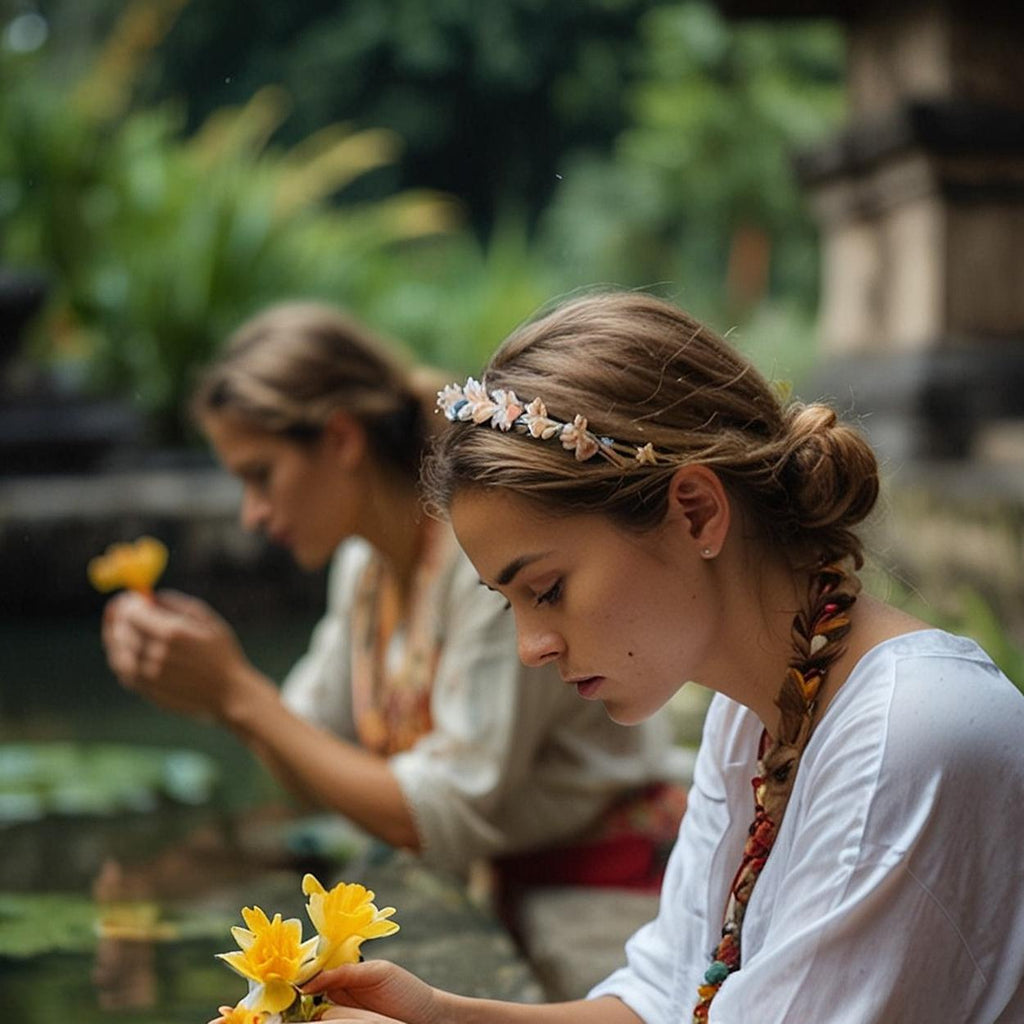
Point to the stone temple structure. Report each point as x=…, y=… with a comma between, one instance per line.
x=920, y=202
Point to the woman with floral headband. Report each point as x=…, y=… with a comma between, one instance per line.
x=654, y=515
x=410, y=714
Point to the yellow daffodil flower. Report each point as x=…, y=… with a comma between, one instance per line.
x=345, y=917
x=136, y=566
x=240, y=1014
x=273, y=957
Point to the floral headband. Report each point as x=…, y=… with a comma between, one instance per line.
x=472, y=403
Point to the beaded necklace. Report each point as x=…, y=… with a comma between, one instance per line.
x=818, y=639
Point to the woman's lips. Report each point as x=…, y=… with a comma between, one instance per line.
x=588, y=686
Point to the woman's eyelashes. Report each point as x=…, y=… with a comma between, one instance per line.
x=551, y=595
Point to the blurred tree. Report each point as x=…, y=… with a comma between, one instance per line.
x=700, y=189
x=488, y=97
x=671, y=128
x=158, y=244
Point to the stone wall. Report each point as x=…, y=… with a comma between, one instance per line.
x=51, y=525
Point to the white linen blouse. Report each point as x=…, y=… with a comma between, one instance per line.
x=515, y=759
x=895, y=891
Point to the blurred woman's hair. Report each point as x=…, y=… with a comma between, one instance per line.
x=286, y=370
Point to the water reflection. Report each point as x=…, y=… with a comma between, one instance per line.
x=123, y=910
x=125, y=974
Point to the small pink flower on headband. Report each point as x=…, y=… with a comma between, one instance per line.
x=509, y=409
x=502, y=409
x=479, y=408
x=537, y=422
x=646, y=455
x=576, y=438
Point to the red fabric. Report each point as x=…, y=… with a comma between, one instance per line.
x=629, y=850
x=630, y=861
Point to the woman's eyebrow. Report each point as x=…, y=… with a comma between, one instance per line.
x=509, y=573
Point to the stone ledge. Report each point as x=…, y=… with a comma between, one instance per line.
x=51, y=525
x=166, y=493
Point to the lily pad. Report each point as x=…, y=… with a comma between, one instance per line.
x=41, y=779
x=32, y=924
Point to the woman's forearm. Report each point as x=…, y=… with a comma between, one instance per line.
x=466, y=1010
x=321, y=768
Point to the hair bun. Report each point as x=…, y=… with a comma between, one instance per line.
x=831, y=475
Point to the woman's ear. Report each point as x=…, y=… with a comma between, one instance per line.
x=345, y=438
x=697, y=496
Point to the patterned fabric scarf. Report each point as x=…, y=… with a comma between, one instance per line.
x=395, y=654
x=818, y=639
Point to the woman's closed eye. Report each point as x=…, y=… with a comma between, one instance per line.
x=257, y=477
x=550, y=596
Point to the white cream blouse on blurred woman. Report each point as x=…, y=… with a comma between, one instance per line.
x=492, y=758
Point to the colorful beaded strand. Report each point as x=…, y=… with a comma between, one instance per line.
x=818, y=637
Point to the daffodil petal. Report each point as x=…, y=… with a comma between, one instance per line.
x=239, y=963
x=311, y=884
x=255, y=918
x=346, y=952
x=379, y=929
x=275, y=995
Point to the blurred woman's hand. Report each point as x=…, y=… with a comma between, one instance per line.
x=176, y=651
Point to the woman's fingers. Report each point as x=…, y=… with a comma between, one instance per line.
x=348, y=1013
x=379, y=988
x=184, y=604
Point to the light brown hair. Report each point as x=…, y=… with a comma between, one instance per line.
x=286, y=370
x=641, y=371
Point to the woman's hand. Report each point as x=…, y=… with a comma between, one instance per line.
x=353, y=1014
x=379, y=991
x=176, y=651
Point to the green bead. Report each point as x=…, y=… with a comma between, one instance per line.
x=716, y=973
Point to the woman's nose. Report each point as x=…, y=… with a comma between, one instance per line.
x=539, y=646
x=253, y=512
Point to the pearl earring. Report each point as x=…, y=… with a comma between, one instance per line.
x=706, y=553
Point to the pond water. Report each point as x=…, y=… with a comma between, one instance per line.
x=178, y=863
x=55, y=684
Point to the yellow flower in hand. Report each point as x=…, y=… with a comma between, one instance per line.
x=273, y=957
x=345, y=917
x=240, y=1014
x=136, y=566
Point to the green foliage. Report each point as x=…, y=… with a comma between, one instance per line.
x=965, y=611
x=453, y=299
x=700, y=191
x=162, y=230
x=159, y=245
x=489, y=97
x=33, y=924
